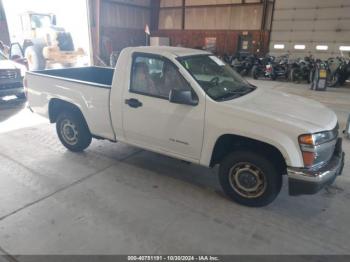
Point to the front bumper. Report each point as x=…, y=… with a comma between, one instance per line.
x=11, y=87
x=307, y=181
x=11, y=92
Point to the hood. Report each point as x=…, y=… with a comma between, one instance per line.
x=290, y=109
x=8, y=64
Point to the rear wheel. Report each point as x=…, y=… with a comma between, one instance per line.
x=250, y=179
x=65, y=41
x=73, y=131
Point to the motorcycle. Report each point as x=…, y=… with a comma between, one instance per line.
x=270, y=67
x=338, y=71
x=300, y=70
x=243, y=63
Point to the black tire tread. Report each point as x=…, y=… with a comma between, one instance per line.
x=270, y=170
x=85, y=136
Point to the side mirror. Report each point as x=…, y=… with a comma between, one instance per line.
x=183, y=97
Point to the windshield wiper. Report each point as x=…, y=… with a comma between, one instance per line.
x=236, y=93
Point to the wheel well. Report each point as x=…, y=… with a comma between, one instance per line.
x=228, y=143
x=57, y=106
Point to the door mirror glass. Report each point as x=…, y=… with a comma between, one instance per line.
x=183, y=97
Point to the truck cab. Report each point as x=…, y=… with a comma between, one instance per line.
x=190, y=105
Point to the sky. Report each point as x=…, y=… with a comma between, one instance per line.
x=71, y=14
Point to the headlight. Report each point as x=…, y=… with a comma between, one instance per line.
x=318, y=148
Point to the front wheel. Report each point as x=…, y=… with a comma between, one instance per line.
x=250, y=179
x=73, y=131
x=35, y=58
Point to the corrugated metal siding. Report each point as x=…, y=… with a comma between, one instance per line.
x=122, y=24
x=223, y=18
x=121, y=16
x=311, y=23
x=203, y=15
x=227, y=40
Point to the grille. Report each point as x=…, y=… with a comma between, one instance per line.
x=8, y=74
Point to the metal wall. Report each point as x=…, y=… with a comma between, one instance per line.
x=203, y=15
x=116, y=24
x=311, y=23
x=189, y=22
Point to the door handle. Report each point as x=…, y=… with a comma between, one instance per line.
x=134, y=103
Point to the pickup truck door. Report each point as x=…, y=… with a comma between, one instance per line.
x=151, y=121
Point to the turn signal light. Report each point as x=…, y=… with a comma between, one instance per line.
x=309, y=158
x=306, y=140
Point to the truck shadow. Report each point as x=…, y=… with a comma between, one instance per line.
x=10, y=108
x=201, y=178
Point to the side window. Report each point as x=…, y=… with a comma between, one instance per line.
x=144, y=72
x=172, y=79
x=156, y=77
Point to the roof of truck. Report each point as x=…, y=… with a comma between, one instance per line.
x=177, y=51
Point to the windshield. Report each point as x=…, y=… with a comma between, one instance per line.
x=216, y=78
x=40, y=21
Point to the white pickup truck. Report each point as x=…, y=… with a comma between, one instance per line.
x=189, y=105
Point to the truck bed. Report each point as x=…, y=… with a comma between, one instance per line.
x=87, y=88
x=96, y=76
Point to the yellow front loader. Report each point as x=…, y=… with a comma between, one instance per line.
x=45, y=44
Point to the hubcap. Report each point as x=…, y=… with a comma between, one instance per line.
x=69, y=132
x=247, y=180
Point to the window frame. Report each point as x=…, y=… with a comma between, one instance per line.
x=135, y=55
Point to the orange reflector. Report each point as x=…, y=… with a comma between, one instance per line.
x=306, y=139
x=309, y=158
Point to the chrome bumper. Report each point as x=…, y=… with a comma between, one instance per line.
x=307, y=181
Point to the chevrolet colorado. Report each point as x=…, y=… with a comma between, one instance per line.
x=189, y=105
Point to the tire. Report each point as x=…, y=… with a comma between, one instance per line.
x=35, y=58
x=293, y=75
x=65, y=41
x=255, y=72
x=333, y=80
x=342, y=80
x=73, y=131
x=259, y=167
x=274, y=77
